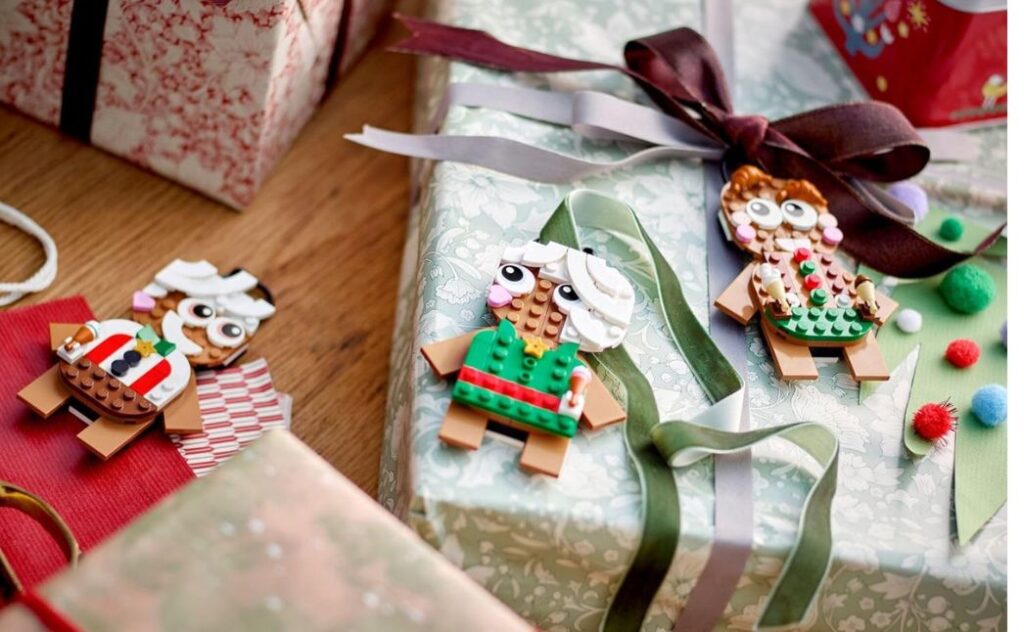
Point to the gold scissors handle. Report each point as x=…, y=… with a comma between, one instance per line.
x=28, y=503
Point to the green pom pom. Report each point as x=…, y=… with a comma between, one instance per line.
x=951, y=229
x=968, y=289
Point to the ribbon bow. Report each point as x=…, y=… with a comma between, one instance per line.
x=843, y=149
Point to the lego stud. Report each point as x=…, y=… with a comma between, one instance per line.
x=745, y=233
x=832, y=236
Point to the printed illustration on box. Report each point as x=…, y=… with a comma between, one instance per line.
x=124, y=373
x=552, y=303
x=802, y=293
x=209, y=317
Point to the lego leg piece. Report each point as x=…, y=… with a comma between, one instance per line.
x=181, y=416
x=544, y=453
x=446, y=356
x=866, y=360
x=105, y=438
x=793, y=361
x=46, y=394
x=463, y=427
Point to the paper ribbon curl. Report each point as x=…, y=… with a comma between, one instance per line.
x=843, y=149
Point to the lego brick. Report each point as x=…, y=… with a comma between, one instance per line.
x=463, y=427
x=821, y=325
x=736, y=301
x=105, y=437
x=866, y=360
x=105, y=393
x=445, y=357
x=182, y=415
x=600, y=409
x=793, y=360
x=59, y=332
x=544, y=453
x=46, y=394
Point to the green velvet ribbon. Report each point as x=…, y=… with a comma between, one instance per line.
x=654, y=445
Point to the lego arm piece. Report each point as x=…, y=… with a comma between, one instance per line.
x=181, y=416
x=446, y=356
x=736, y=300
x=600, y=409
x=59, y=332
x=886, y=307
x=46, y=394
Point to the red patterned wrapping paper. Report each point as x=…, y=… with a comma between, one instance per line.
x=942, y=62
x=210, y=95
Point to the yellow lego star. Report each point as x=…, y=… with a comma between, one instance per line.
x=534, y=346
x=145, y=348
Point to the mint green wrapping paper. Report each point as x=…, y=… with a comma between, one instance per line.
x=555, y=550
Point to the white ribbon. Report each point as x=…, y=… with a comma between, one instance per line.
x=44, y=276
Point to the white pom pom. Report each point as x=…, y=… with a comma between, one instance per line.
x=909, y=321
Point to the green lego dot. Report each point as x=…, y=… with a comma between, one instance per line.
x=558, y=374
x=821, y=327
x=803, y=327
x=808, y=267
x=851, y=314
x=818, y=297
x=496, y=367
x=505, y=403
x=563, y=360
x=968, y=289
x=461, y=388
x=485, y=396
x=799, y=312
x=500, y=353
x=524, y=377
x=952, y=229
x=832, y=313
x=815, y=313
x=529, y=362
x=504, y=339
x=554, y=388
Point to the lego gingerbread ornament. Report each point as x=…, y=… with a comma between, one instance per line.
x=804, y=296
x=552, y=303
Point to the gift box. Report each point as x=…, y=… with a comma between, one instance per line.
x=276, y=539
x=210, y=94
x=556, y=549
x=942, y=62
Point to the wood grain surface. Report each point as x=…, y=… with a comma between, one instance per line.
x=325, y=234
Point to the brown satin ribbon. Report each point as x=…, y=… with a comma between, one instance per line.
x=842, y=148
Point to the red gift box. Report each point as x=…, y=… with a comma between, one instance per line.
x=942, y=62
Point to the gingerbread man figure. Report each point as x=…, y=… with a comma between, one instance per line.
x=552, y=302
x=804, y=296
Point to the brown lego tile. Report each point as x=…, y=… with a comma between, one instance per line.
x=46, y=394
x=59, y=332
x=536, y=313
x=736, y=300
x=600, y=408
x=104, y=393
x=544, y=453
x=463, y=427
x=181, y=416
x=445, y=357
x=793, y=361
x=866, y=360
x=105, y=438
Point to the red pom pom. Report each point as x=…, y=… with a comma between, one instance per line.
x=933, y=421
x=963, y=353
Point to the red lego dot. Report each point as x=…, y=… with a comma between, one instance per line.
x=933, y=421
x=812, y=281
x=963, y=353
x=801, y=254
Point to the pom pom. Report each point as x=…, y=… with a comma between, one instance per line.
x=968, y=289
x=963, y=353
x=951, y=229
x=1002, y=334
x=932, y=421
x=989, y=405
x=913, y=196
x=909, y=321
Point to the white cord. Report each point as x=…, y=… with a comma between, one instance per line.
x=44, y=276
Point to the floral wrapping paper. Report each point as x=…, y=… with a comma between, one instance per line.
x=210, y=96
x=274, y=540
x=556, y=549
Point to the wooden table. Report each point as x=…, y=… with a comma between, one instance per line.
x=325, y=234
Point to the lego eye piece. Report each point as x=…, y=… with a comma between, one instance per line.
x=196, y=312
x=566, y=298
x=799, y=214
x=516, y=279
x=225, y=332
x=765, y=213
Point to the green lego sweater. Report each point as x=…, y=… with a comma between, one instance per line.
x=500, y=378
x=822, y=324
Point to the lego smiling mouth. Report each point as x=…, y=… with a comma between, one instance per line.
x=790, y=245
